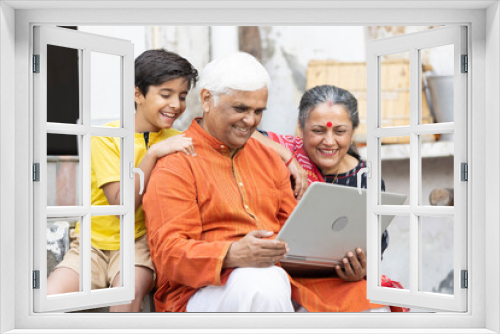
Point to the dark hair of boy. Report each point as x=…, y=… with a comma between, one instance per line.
x=154, y=67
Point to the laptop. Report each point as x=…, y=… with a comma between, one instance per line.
x=329, y=221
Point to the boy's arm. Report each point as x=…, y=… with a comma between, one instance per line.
x=178, y=143
x=282, y=151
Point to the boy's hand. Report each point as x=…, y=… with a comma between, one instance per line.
x=178, y=143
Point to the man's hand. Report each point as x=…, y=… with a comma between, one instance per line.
x=354, y=266
x=178, y=143
x=253, y=251
x=299, y=178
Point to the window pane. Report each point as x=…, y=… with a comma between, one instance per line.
x=437, y=174
x=105, y=252
x=439, y=84
x=105, y=170
x=395, y=263
x=63, y=85
x=395, y=90
x=60, y=237
x=437, y=254
x=63, y=170
x=105, y=88
x=395, y=167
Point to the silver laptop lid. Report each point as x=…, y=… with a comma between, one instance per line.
x=329, y=221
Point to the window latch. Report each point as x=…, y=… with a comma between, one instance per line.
x=139, y=171
x=368, y=171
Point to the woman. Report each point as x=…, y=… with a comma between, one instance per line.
x=328, y=117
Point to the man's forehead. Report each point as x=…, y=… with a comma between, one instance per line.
x=235, y=94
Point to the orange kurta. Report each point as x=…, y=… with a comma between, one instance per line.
x=196, y=206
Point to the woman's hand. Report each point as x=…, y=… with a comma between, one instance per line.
x=299, y=178
x=178, y=143
x=354, y=266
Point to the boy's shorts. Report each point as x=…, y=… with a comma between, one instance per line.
x=105, y=264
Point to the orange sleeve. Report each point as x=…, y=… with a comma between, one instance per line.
x=175, y=227
x=287, y=199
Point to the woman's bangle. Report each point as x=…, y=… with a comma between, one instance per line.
x=293, y=156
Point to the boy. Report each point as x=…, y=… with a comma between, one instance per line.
x=162, y=81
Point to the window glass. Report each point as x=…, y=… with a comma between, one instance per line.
x=60, y=237
x=437, y=254
x=105, y=170
x=395, y=166
x=105, y=256
x=438, y=173
x=63, y=170
x=438, y=79
x=395, y=92
x=395, y=260
x=105, y=88
x=63, y=84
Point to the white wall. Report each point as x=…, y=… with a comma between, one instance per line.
x=7, y=165
x=492, y=161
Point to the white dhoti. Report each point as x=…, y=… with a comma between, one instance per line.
x=251, y=290
x=246, y=290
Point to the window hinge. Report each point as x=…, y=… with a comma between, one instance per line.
x=36, y=63
x=465, y=64
x=36, y=279
x=36, y=172
x=465, y=279
x=464, y=171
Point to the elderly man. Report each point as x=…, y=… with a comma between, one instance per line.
x=211, y=218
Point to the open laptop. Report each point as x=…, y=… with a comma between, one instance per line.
x=329, y=221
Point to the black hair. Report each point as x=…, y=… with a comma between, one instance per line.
x=336, y=95
x=154, y=67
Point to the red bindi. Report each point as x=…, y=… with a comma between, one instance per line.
x=330, y=103
x=329, y=124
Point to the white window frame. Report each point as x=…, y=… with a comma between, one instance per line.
x=483, y=21
x=413, y=43
x=85, y=44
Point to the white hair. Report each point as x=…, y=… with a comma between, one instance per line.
x=236, y=71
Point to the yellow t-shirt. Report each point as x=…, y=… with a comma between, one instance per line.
x=105, y=168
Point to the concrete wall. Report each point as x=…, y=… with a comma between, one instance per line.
x=286, y=54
